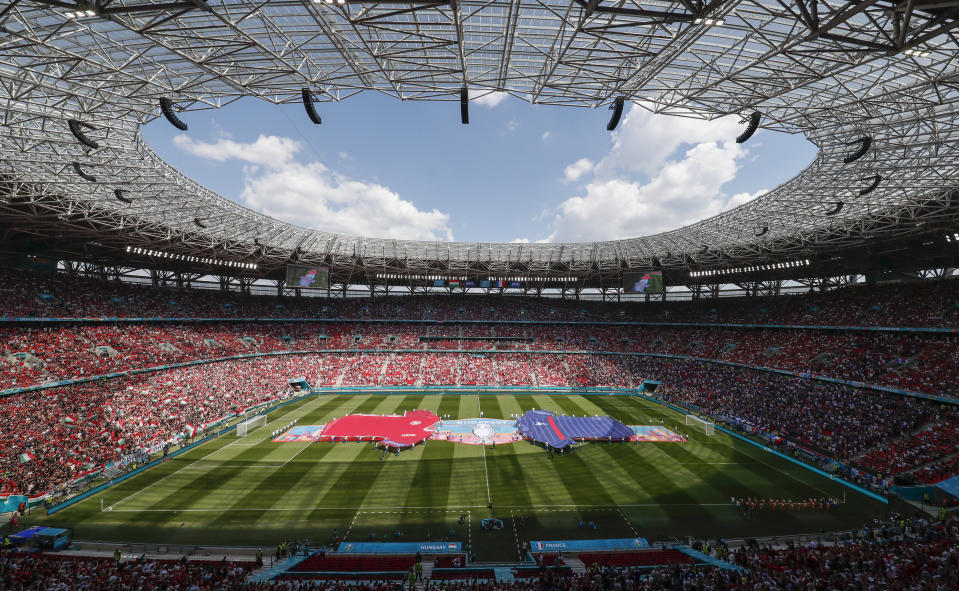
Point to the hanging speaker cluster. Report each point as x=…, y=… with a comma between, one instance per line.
x=864, y=143
x=464, y=106
x=754, y=120
x=167, y=108
x=310, y=107
x=876, y=179
x=617, y=108
x=83, y=175
x=836, y=208
x=77, y=127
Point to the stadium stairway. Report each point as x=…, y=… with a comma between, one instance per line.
x=576, y=565
x=710, y=560
x=278, y=568
x=504, y=574
x=422, y=583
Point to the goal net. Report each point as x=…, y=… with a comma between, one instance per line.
x=248, y=425
x=707, y=427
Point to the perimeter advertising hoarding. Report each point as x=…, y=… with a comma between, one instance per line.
x=643, y=282
x=307, y=276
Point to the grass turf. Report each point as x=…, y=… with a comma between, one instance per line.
x=252, y=491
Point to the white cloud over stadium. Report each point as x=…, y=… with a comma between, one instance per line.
x=279, y=184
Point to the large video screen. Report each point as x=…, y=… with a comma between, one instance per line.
x=307, y=276
x=643, y=282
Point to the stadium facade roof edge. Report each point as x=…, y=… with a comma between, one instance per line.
x=878, y=70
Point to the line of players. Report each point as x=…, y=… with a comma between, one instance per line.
x=748, y=505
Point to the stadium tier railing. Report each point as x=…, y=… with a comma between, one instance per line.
x=373, y=321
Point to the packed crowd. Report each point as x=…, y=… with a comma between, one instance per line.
x=51, y=436
x=98, y=422
x=929, y=444
x=904, y=556
x=34, y=355
x=838, y=420
x=22, y=571
x=927, y=303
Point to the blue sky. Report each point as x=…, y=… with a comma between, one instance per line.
x=386, y=168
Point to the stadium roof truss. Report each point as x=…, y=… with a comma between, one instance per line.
x=874, y=84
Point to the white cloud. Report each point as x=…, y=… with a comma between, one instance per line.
x=645, y=140
x=268, y=150
x=678, y=188
x=682, y=192
x=545, y=136
x=512, y=125
x=520, y=241
x=577, y=169
x=489, y=100
x=311, y=194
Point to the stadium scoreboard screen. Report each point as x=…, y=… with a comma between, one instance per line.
x=643, y=282
x=307, y=276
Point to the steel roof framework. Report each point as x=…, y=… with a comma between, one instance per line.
x=834, y=71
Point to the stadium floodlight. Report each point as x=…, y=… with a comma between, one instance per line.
x=166, y=107
x=707, y=427
x=913, y=52
x=836, y=208
x=754, y=120
x=83, y=175
x=464, y=106
x=76, y=128
x=865, y=141
x=617, y=108
x=120, y=194
x=876, y=179
x=310, y=107
x=243, y=429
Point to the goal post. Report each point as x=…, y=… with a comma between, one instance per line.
x=244, y=428
x=707, y=427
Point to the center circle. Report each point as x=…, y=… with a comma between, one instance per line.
x=484, y=431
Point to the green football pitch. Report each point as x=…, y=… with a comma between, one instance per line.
x=250, y=491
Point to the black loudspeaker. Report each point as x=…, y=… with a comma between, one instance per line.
x=836, y=208
x=617, y=109
x=464, y=106
x=310, y=107
x=166, y=107
x=83, y=175
x=751, y=128
x=876, y=179
x=76, y=128
x=865, y=141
